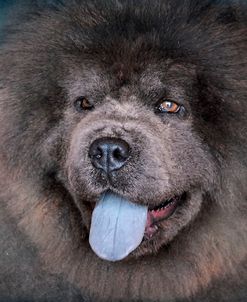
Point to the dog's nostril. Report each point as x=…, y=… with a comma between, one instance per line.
x=109, y=154
x=99, y=153
x=120, y=154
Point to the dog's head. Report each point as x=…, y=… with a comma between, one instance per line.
x=123, y=112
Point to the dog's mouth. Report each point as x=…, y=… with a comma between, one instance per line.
x=161, y=212
x=119, y=226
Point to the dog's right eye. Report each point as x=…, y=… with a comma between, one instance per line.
x=83, y=104
x=168, y=106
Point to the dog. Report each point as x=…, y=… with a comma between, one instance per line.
x=123, y=151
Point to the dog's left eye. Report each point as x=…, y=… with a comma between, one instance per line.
x=83, y=104
x=167, y=106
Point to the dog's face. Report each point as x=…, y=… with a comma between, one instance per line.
x=132, y=131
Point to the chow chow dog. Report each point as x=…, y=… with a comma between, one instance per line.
x=124, y=151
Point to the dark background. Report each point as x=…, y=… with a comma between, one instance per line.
x=4, y=6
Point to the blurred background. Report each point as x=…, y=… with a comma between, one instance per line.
x=5, y=5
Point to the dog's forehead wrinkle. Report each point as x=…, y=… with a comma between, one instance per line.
x=92, y=81
x=119, y=125
x=151, y=80
x=155, y=76
x=86, y=81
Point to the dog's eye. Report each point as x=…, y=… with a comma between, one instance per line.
x=82, y=104
x=168, y=106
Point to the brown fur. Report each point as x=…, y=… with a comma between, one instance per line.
x=125, y=58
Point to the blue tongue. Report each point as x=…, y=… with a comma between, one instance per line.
x=117, y=227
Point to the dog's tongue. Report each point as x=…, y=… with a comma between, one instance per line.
x=117, y=227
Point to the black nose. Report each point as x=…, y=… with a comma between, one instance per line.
x=109, y=154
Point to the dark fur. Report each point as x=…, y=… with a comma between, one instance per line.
x=124, y=56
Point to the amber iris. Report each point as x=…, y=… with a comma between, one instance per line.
x=83, y=103
x=169, y=106
x=86, y=104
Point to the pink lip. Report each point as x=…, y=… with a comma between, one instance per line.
x=155, y=216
